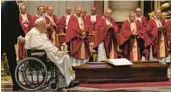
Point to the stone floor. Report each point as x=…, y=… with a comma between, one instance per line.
x=8, y=88
x=137, y=89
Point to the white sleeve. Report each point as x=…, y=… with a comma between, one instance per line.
x=38, y=42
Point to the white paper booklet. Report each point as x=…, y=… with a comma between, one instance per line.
x=119, y=62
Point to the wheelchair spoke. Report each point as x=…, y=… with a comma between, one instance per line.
x=31, y=74
x=37, y=76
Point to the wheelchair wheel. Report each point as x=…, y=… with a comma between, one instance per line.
x=53, y=85
x=31, y=74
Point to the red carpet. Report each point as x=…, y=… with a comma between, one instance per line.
x=126, y=85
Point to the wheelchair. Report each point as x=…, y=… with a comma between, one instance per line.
x=36, y=72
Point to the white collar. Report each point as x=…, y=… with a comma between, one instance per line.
x=139, y=17
x=130, y=21
x=77, y=16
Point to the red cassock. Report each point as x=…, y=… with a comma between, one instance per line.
x=34, y=18
x=26, y=27
x=106, y=34
x=30, y=24
x=84, y=17
x=51, y=28
x=89, y=24
x=144, y=21
x=127, y=40
x=168, y=27
x=153, y=36
x=75, y=39
x=62, y=24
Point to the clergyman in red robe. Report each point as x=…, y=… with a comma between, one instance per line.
x=105, y=39
x=76, y=38
x=26, y=24
x=91, y=20
x=168, y=27
x=132, y=38
x=52, y=24
x=156, y=37
x=63, y=21
x=140, y=17
x=83, y=13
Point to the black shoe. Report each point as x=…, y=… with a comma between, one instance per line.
x=16, y=88
x=74, y=83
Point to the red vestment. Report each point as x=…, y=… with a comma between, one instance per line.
x=168, y=27
x=35, y=17
x=107, y=35
x=75, y=39
x=84, y=17
x=144, y=21
x=62, y=24
x=89, y=24
x=51, y=28
x=26, y=27
x=153, y=36
x=127, y=39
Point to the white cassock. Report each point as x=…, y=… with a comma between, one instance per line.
x=37, y=40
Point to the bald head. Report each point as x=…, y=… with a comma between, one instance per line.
x=108, y=13
x=49, y=7
x=23, y=9
x=108, y=10
x=138, y=12
x=49, y=10
x=132, y=16
x=68, y=10
x=157, y=13
x=83, y=12
x=78, y=10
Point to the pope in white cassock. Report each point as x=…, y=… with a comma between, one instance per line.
x=37, y=39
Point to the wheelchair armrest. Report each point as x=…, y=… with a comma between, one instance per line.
x=36, y=53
